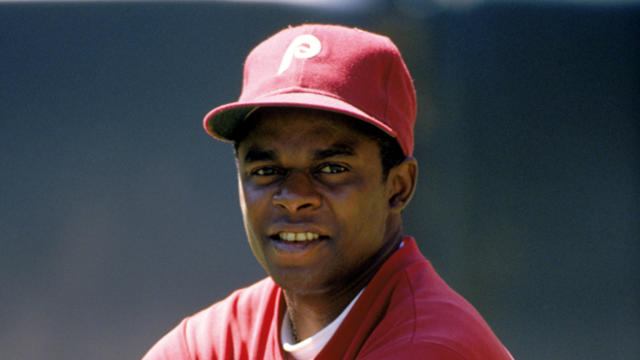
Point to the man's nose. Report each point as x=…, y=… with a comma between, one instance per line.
x=297, y=193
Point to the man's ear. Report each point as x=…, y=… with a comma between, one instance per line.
x=401, y=184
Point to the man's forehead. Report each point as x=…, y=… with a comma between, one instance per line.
x=254, y=151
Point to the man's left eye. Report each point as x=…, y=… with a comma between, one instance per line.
x=332, y=169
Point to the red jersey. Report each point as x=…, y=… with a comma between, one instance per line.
x=405, y=312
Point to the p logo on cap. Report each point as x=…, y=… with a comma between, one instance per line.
x=302, y=47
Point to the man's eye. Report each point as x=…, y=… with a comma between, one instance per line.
x=332, y=169
x=265, y=171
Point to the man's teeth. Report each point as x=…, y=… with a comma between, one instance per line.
x=301, y=236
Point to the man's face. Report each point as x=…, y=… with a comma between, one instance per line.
x=314, y=204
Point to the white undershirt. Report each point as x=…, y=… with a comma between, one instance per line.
x=311, y=346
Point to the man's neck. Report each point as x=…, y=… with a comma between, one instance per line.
x=310, y=313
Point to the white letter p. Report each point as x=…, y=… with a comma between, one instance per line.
x=302, y=47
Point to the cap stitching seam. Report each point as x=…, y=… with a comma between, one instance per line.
x=386, y=88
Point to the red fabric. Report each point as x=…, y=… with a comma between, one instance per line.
x=405, y=312
x=327, y=67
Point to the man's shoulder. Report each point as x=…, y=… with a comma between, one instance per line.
x=437, y=313
x=257, y=298
x=424, y=314
x=241, y=323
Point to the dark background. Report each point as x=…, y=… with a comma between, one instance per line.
x=119, y=215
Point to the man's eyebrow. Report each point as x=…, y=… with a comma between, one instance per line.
x=256, y=154
x=339, y=149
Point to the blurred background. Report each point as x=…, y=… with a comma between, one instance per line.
x=119, y=215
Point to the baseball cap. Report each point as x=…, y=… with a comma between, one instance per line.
x=326, y=67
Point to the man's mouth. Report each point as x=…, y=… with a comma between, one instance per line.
x=297, y=236
x=296, y=240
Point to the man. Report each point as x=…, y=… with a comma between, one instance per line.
x=323, y=135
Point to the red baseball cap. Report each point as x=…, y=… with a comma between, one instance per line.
x=326, y=67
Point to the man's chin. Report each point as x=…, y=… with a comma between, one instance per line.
x=301, y=284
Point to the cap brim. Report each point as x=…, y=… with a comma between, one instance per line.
x=222, y=121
